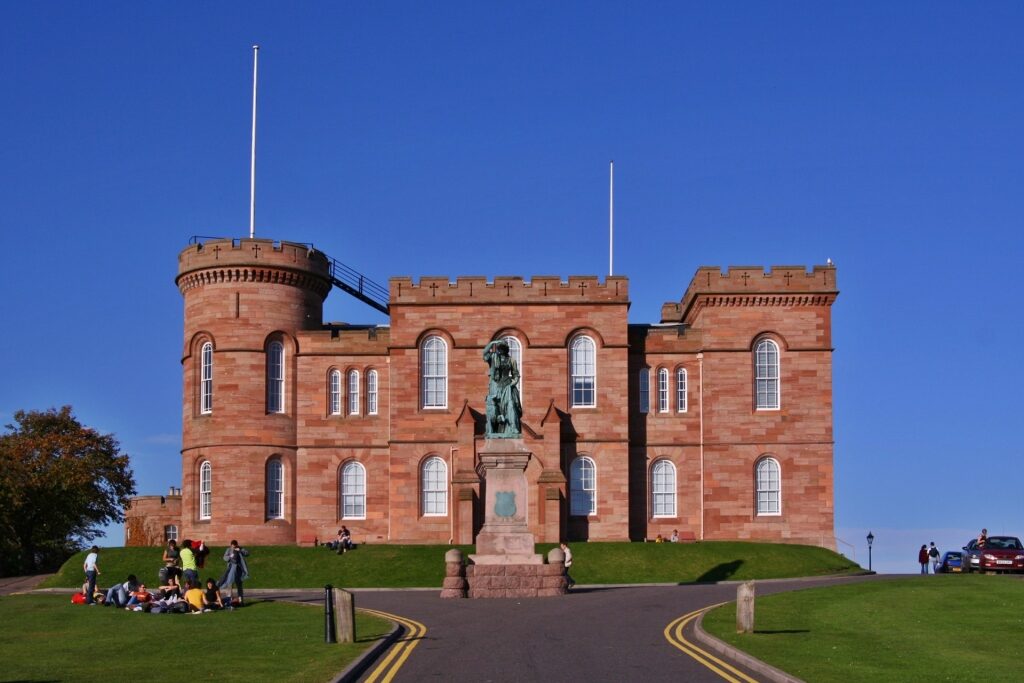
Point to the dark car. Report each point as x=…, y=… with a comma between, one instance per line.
x=999, y=554
x=952, y=563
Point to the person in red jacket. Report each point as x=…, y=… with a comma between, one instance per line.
x=922, y=557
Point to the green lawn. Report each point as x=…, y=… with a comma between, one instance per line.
x=936, y=628
x=399, y=566
x=45, y=637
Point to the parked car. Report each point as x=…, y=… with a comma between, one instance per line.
x=952, y=563
x=1000, y=554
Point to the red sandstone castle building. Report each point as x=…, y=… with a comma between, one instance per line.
x=715, y=421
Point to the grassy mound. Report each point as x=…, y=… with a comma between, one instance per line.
x=935, y=628
x=48, y=638
x=404, y=566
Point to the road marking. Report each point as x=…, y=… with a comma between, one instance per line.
x=674, y=635
x=398, y=652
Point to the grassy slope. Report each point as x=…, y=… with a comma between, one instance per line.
x=918, y=629
x=420, y=566
x=47, y=638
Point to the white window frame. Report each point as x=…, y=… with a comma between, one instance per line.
x=170, y=532
x=663, y=488
x=371, y=392
x=434, y=373
x=353, y=392
x=515, y=351
x=434, y=487
x=206, y=490
x=353, y=490
x=767, y=382
x=275, y=488
x=681, y=382
x=662, y=390
x=644, y=391
x=334, y=392
x=206, y=379
x=583, y=373
x=768, y=483
x=275, y=377
x=583, y=487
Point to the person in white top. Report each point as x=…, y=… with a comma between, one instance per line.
x=92, y=570
x=568, y=564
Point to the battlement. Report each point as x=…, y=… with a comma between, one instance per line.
x=253, y=260
x=252, y=252
x=777, y=285
x=541, y=289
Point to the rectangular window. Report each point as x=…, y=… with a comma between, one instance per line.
x=681, y=390
x=371, y=392
x=663, y=391
x=275, y=378
x=645, y=390
x=353, y=393
x=206, y=381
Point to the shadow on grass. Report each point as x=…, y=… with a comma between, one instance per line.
x=721, y=572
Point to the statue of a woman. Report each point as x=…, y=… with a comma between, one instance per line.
x=503, y=407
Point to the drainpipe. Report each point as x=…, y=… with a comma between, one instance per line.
x=451, y=495
x=390, y=382
x=700, y=360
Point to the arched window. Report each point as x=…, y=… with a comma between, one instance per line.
x=171, y=532
x=769, y=487
x=353, y=491
x=353, y=392
x=371, y=392
x=275, y=489
x=766, y=374
x=583, y=372
x=434, y=372
x=681, y=390
x=335, y=392
x=663, y=489
x=515, y=351
x=205, y=490
x=435, y=487
x=275, y=377
x=662, y=390
x=645, y=390
x=583, y=487
x=206, y=380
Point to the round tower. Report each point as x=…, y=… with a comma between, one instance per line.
x=245, y=302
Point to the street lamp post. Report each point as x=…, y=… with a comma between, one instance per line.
x=871, y=539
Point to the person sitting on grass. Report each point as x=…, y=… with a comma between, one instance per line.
x=344, y=540
x=139, y=599
x=170, y=588
x=211, y=597
x=194, y=598
x=118, y=594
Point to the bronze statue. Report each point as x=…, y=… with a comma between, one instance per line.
x=504, y=410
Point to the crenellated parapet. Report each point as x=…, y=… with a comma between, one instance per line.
x=256, y=261
x=754, y=286
x=540, y=289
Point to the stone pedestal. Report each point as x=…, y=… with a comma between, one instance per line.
x=505, y=537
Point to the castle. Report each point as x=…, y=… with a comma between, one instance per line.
x=715, y=422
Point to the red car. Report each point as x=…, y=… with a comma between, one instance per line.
x=1000, y=554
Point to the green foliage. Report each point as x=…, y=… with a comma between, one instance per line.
x=405, y=566
x=265, y=641
x=917, y=629
x=60, y=482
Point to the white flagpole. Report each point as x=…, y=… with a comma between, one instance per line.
x=611, y=214
x=252, y=165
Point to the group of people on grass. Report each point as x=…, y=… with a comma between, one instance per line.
x=926, y=555
x=343, y=543
x=674, y=538
x=179, y=590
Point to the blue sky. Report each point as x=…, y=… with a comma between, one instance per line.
x=404, y=138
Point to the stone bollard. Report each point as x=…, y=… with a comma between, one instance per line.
x=345, y=615
x=454, y=585
x=745, y=607
x=556, y=558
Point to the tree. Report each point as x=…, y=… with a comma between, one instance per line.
x=60, y=482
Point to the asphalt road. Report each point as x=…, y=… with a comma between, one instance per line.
x=594, y=634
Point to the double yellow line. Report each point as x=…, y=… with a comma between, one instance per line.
x=674, y=635
x=399, y=652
